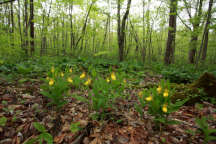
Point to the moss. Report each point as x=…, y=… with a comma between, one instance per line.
x=185, y=91
x=205, y=86
x=208, y=83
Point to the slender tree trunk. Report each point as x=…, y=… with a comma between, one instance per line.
x=106, y=31
x=121, y=28
x=195, y=32
x=32, y=27
x=71, y=27
x=84, y=26
x=170, y=48
x=206, y=30
x=12, y=24
x=63, y=37
x=19, y=25
x=135, y=36
x=144, y=39
x=26, y=26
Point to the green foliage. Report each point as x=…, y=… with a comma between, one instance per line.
x=56, y=86
x=3, y=121
x=44, y=135
x=105, y=91
x=74, y=127
x=159, y=102
x=205, y=130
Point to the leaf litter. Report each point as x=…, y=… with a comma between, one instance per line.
x=23, y=105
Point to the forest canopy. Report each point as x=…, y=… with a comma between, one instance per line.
x=143, y=29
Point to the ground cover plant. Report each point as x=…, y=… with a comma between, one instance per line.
x=107, y=71
x=71, y=101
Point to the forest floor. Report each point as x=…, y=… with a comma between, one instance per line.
x=22, y=104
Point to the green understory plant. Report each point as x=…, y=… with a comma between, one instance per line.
x=75, y=127
x=205, y=129
x=44, y=135
x=104, y=93
x=158, y=101
x=3, y=121
x=56, y=86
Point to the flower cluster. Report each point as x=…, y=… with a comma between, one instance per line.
x=158, y=101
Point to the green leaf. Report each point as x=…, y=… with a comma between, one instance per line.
x=74, y=127
x=47, y=137
x=31, y=141
x=39, y=127
x=212, y=138
x=3, y=121
x=212, y=131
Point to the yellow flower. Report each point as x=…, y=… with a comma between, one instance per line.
x=70, y=70
x=125, y=81
x=159, y=89
x=149, y=98
x=88, y=82
x=52, y=69
x=140, y=94
x=69, y=80
x=62, y=74
x=166, y=93
x=82, y=75
x=164, y=108
x=47, y=78
x=51, y=82
x=113, y=76
x=1, y=62
x=108, y=80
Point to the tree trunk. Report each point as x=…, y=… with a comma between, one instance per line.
x=71, y=27
x=195, y=33
x=12, y=24
x=26, y=26
x=170, y=48
x=121, y=28
x=192, y=52
x=32, y=26
x=84, y=26
x=144, y=39
x=206, y=31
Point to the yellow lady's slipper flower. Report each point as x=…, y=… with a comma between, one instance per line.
x=1, y=62
x=88, y=82
x=82, y=75
x=149, y=98
x=70, y=80
x=62, y=74
x=108, y=80
x=52, y=69
x=159, y=89
x=164, y=108
x=51, y=82
x=125, y=81
x=70, y=70
x=166, y=93
x=113, y=76
x=140, y=94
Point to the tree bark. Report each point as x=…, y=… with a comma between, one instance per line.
x=170, y=48
x=195, y=32
x=19, y=25
x=206, y=30
x=85, y=25
x=26, y=26
x=32, y=27
x=144, y=39
x=71, y=27
x=121, y=29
